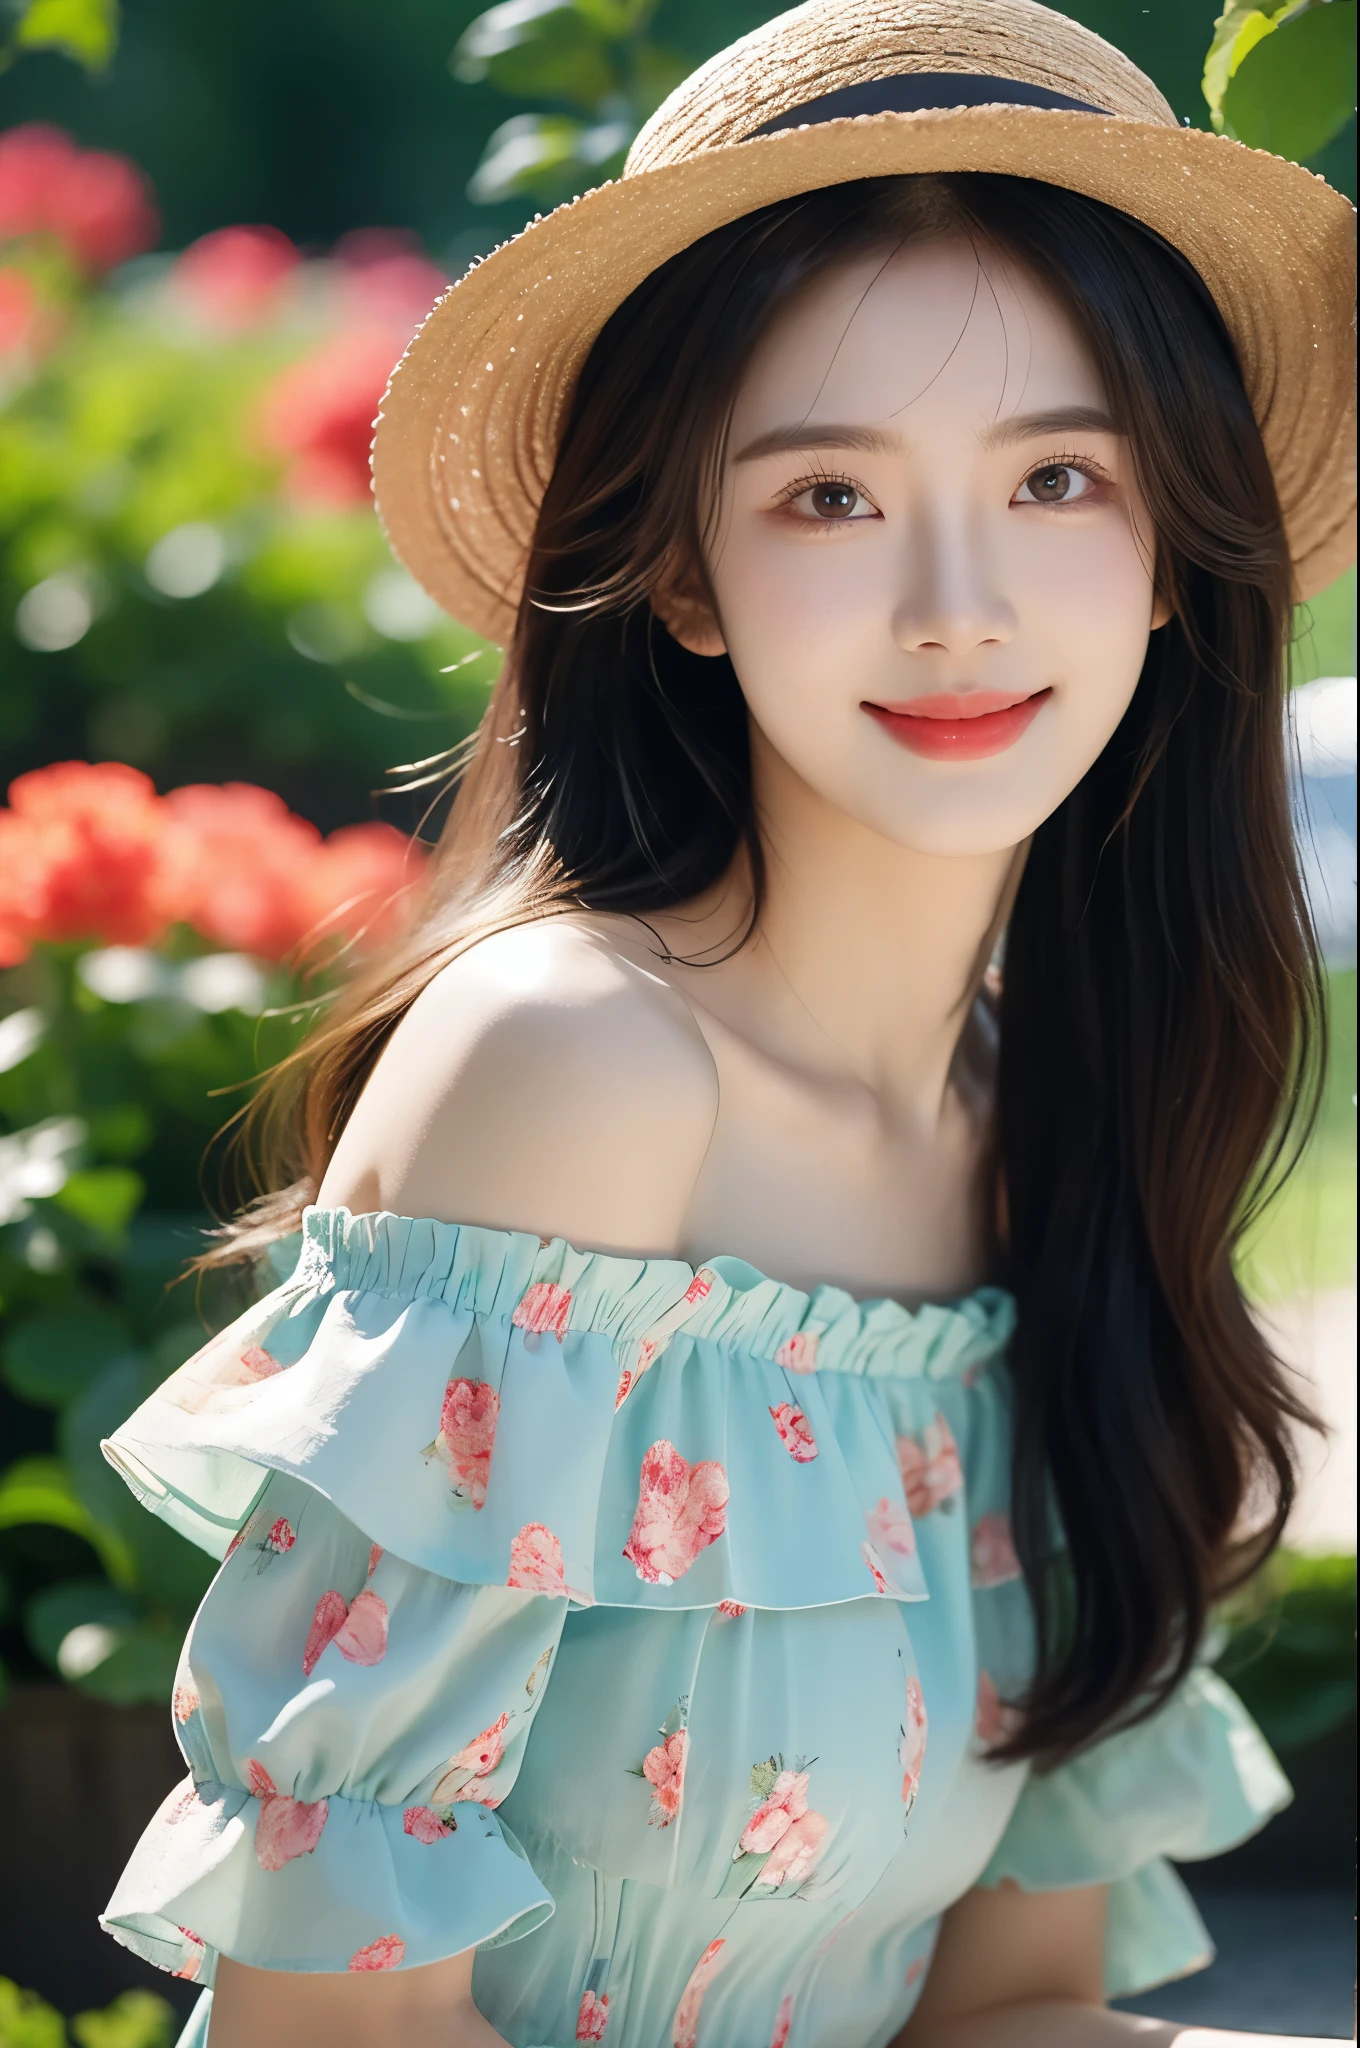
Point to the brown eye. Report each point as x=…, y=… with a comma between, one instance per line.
x=1056, y=483
x=1050, y=485
x=833, y=501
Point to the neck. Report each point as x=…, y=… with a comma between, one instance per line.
x=882, y=948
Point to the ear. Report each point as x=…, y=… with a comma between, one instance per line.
x=1162, y=610
x=688, y=616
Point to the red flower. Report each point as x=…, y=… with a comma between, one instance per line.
x=240, y=858
x=99, y=207
x=320, y=413
x=82, y=856
x=386, y=278
x=359, y=883
x=231, y=278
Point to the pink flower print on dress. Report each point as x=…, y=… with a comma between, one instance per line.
x=730, y=1610
x=932, y=1471
x=783, y=2020
x=388, y=1952
x=875, y=1564
x=798, y=1353
x=462, y=1774
x=681, y=1510
x=362, y=1636
x=543, y=1310
x=327, y=1621
x=783, y=1804
x=195, y=1948
x=593, y=2016
x=466, y=1436
x=281, y=1537
x=424, y=1824
x=794, y=1432
x=185, y=1701
x=286, y=1827
x=359, y=1630
x=911, y=1754
x=993, y=1553
x=654, y=1341
x=685, y=2025
x=913, y=1976
x=664, y=1769
x=536, y=1561
x=374, y=1557
x=993, y=1722
x=890, y=1529
x=259, y=1363
x=794, y=1856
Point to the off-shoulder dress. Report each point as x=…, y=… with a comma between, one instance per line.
x=645, y=1628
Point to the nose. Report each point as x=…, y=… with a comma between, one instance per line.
x=951, y=601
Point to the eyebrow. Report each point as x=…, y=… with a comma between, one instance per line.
x=1024, y=426
x=799, y=439
x=1062, y=419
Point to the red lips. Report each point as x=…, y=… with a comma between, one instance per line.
x=959, y=726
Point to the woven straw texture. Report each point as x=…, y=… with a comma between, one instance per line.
x=466, y=438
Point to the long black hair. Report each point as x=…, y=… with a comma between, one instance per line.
x=1161, y=1006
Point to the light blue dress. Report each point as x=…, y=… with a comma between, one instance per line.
x=643, y=1628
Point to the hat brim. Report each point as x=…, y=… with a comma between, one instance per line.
x=467, y=434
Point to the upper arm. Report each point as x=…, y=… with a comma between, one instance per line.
x=1003, y=1946
x=540, y=1083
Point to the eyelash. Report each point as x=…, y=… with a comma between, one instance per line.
x=1083, y=464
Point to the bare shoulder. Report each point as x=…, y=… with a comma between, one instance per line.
x=546, y=1080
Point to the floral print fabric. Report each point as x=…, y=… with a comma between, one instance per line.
x=646, y=1630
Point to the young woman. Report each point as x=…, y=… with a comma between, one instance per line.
x=719, y=1524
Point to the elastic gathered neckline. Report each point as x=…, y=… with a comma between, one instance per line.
x=490, y=1272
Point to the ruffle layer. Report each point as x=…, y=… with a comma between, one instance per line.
x=631, y=1432
x=1193, y=1781
x=346, y=1886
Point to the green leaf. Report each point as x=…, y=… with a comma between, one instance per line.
x=1294, y=94
x=763, y=1776
x=50, y=1359
x=140, y=1667
x=1237, y=30
x=122, y=1132
x=540, y=49
x=27, y=2021
x=104, y=1198
x=524, y=154
x=50, y=1615
x=86, y=30
x=39, y=1490
x=136, y=2019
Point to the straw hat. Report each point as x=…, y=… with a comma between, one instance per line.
x=842, y=89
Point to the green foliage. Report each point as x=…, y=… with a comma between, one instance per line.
x=136, y=2019
x=1282, y=76
x=1291, y=1648
x=27, y=2021
x=86, y=30
x=594, y=55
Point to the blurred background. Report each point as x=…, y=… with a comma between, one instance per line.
x=218, y=229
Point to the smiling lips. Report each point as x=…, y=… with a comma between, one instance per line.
x=959, y=726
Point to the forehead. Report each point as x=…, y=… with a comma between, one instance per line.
x=936, y=332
